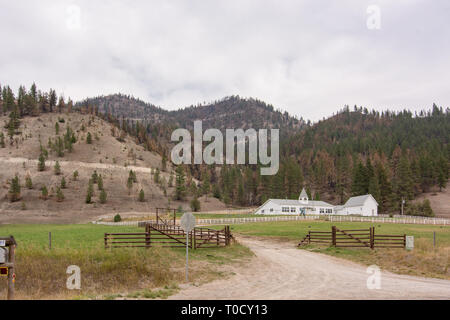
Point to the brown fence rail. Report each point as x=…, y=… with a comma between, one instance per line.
x=355, y=238
x=166, y=235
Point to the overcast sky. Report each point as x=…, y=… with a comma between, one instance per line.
x=307, y=57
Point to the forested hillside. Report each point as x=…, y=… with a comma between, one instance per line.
x=392, y=155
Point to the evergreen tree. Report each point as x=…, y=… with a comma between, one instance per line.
x=195, y=205
x=28, y=182
x=141, y=196
x=14, y=189
x=89, y=138
x=180, y=183
x=75, y=175
x=57, y=168
x=44, y=193
x=59, y=195
x=41, y=163
x=90, y=192
x=63, y=183
x=103, y=196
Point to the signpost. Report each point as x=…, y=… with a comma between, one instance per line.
x=187, y=224
x=7, y=259
x=409, y=242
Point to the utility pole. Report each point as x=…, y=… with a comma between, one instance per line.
x=403, y=202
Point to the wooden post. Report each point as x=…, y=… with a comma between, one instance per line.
x=309, y=237
x=372, y=238
x=106, y=240
x=11, y=275
x=50, y=241
x=147, y=237
x=434, y=238
x=333, y=236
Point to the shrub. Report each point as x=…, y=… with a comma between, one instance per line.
x=90, y=192
x=195, y=205
x=117, y=218
x=75, y=175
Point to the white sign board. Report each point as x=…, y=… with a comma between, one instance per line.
x=187, y=222
x=2, y=243
x=409, y=242
x=3, y=255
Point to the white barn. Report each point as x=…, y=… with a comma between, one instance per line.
x=362, y=205
x=365, y=205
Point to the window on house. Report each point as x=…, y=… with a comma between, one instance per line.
x=322, y=210
x=284, y=209
x=262, y=211
x=271, y=209
x=293, y=209
x=329, y=210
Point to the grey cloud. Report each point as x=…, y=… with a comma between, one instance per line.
x=307, y=57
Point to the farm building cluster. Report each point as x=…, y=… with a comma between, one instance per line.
x=364, y=205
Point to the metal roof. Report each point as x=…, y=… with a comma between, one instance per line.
x=358, y=201
x=288, y=202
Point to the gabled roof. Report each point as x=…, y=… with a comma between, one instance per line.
x=303, y=194
x=358, y=201
x=288, y=202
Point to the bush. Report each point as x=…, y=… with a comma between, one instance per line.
x=63, y=183
x=117, y=218
x=89, y=138
x=195, y=205
x=75, y=175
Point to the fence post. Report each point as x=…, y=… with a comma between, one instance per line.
x=147, y=237
x=372, y=238
x=106, y=240
x=333, y=235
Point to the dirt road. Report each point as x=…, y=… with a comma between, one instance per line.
x=281, y=271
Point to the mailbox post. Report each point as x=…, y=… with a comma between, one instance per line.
x=7, y=259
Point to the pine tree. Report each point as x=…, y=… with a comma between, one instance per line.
x=14, y=189
x=28, y=182
x=59, y=195
x=2, y=140
x=57, y=168
x=141, y=196
x=44, y=193
x=129, y=184
x=180, y=183
x=100, y=182
x=103, y=196
x=90, y=192
x=56, y=128
x=63, y=183
x=89, y=138
x=41, y=163
x=75, y=175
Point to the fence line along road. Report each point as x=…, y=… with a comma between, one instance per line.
x=404, y=220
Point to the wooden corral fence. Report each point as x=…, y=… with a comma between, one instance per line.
x=166, y=235
x=356, y=238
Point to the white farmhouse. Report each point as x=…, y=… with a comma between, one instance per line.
x=361, y=205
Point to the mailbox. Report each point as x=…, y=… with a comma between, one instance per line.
x=4, y=255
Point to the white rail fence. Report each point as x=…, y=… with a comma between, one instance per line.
x=403, y=220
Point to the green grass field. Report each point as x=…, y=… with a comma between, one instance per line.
x=41, y=272
x=425, y=260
